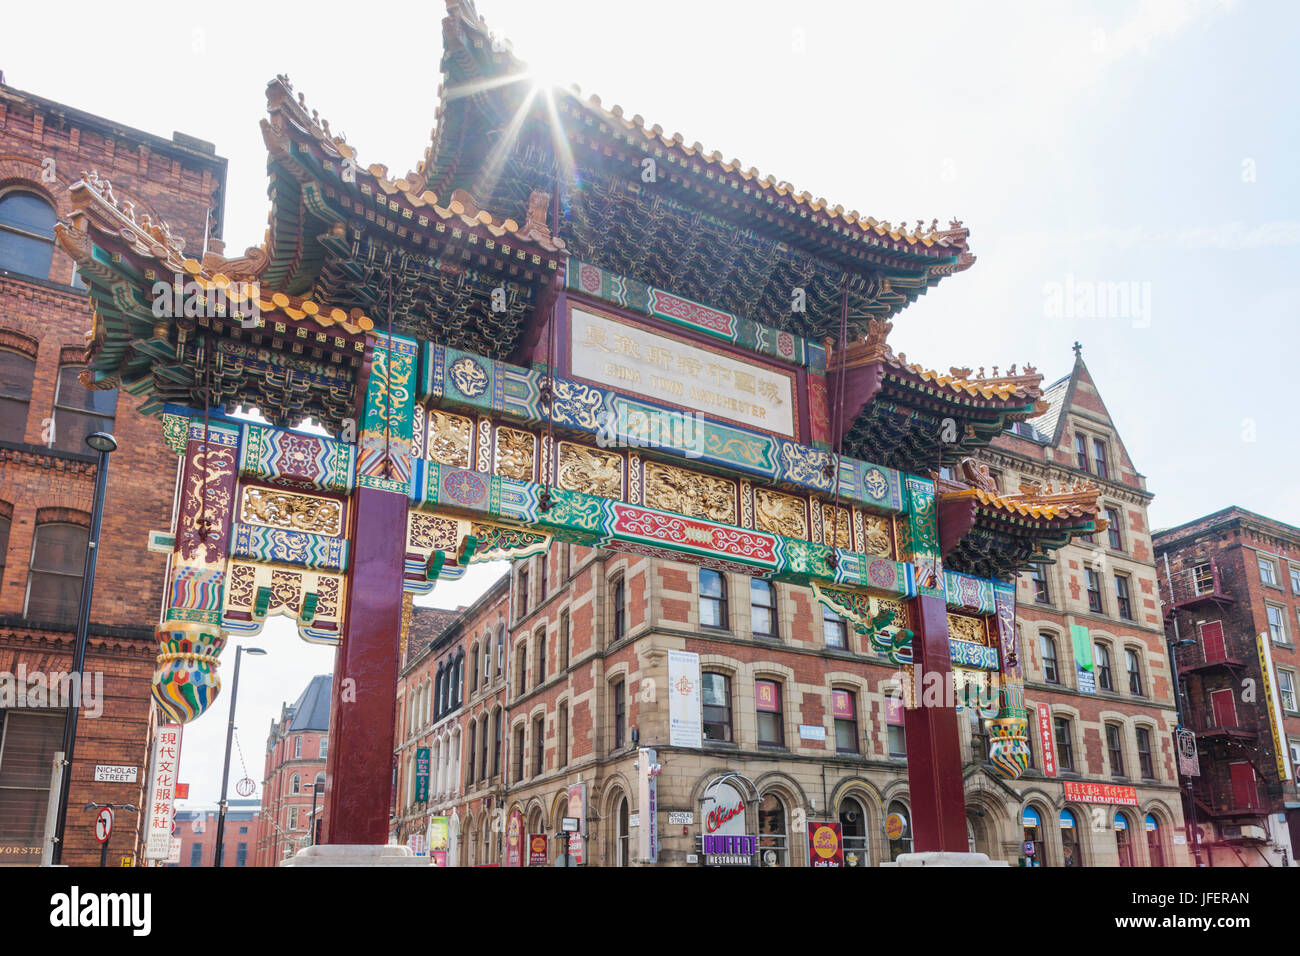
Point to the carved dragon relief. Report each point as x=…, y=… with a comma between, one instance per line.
x=688, y=493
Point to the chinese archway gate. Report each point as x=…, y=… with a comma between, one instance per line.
x=563, y=325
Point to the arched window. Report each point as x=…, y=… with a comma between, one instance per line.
x=1134, y=672
x=541, y=657
x=1123, y=839
x=1047, y=645
x=1032, y=823
x=501, y=652
x=460, y=679
x=1153, y=841
x=483, y=748
x=54, y=584
x=773, y=840
x=80, y=411
x=619, y=593
x=902, y=826
x=473, y=668
x=320, y=778
x=853, y=830
x=1071, y=851
x=496, y=741
x=295, y=784
x=16, y=375
x=621, y=849
x=1103, y=667
x=26, y=234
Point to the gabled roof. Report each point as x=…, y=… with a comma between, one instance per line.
x=1056, y=397
x=311, y=711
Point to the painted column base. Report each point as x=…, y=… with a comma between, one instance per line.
x=355, y=854
x=939, y=858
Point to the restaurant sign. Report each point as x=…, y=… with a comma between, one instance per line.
x=825, y=845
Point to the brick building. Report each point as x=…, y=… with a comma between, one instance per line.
x=1231, y=586
x=296, y=748
x=197, y=831
x=565, y=676
x=47, y=474
x=1097, y=677
x=450, y=685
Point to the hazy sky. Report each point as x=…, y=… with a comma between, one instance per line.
x=1152, y=145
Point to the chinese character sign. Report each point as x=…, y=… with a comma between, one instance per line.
x=421, y=774
x=1045, y=737
x=162, y=792
x=685, y=727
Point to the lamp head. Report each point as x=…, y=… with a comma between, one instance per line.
x=102, y=442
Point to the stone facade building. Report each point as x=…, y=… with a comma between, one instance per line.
x=296, y=748
x=566, y=674
x=47, y=474
x=1111, y=725
x=1231, y=586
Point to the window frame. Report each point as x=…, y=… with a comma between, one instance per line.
x=726, y=707
x=21, y=189
x=1124, y=596
x=618, y=595
x=1051, y=663
x=1271, y=579
x=33, y=572
x=1092, y=578
x=1038, y=581
x=833, y=622
x=1101, y=664
x=618, y=702
x=774, y=718
x=23, y=395
x=1281, y=623
x=1146, y=760
x=1133, y=666
x=720, y=602
x=851, y=722
x=1063, y=738
x=770, y=609
x=78, y=448
x=1115, y=748
x=1114, y=534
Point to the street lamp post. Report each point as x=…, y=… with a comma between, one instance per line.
x=102, y=443
x=230, y=733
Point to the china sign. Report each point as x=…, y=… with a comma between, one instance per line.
x=162, y=792
x=1108, y=793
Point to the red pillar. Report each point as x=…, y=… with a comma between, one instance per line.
x=359, y=768
x=933, y=752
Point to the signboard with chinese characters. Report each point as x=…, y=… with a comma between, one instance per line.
x=1046, y=740
x=115, y=773
x=825, y=845
x=685, y=723
x=578, y=809
x=421, y=774
x=162, y=792
x=665, y=368
x=1109, y=793
x=1083, y=659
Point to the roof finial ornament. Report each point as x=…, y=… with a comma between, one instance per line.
x=1078, y=350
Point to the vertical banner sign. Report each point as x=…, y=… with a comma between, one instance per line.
x=1272, y=702
x=515, y=840
x=421, y=774
x=685, y=721
x=537, y=849
x=578, y=808
x=1045, y=738
x=825, y=845
x=439, y=840
x=648, y=805
x=162, y=792
x=1083, y=659
x=1189, y=761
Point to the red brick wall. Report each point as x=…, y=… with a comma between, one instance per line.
x=177, y=185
